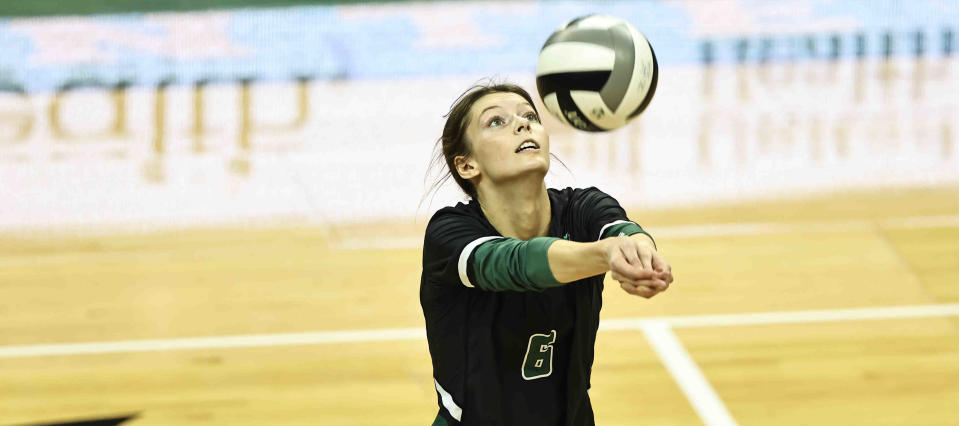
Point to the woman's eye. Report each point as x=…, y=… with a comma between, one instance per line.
x=496, y=121
x=531, y=116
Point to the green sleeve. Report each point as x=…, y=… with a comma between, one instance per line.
x=511, y=264
x=625, y=228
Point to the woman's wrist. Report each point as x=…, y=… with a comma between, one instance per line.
x=606, y=246
x=643, y=238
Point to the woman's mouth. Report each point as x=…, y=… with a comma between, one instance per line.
x=527, y=145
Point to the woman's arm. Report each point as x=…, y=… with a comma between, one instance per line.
x=623, y=256
x=571, y=261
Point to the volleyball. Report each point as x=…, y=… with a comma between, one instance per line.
x=596, y=73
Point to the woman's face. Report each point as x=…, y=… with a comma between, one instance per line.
x=507, y=138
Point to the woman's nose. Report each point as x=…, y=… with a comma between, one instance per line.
x=523, y=124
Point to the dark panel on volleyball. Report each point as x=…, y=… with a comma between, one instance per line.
x=615, y=89
x=563, y=83
x=652, y=85
x=592, y=81
x=597, y=36
x=569, y=107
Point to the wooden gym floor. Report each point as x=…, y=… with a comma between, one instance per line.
x=844, y=256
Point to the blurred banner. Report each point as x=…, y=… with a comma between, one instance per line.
x=330, y=114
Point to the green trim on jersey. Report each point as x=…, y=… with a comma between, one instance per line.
x=626, y=228
x=511, y=264
x=440, y=421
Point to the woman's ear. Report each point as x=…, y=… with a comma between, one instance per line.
x=465, y=166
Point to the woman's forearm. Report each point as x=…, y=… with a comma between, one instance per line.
x=571, y=261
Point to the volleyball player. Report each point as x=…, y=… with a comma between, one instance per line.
x=512, y=280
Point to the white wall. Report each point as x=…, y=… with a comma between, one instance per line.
x=362, y=148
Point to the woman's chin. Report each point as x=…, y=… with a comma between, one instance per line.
x=538, y=168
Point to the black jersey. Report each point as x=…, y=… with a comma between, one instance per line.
x=510, y=345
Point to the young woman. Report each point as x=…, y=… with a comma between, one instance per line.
x=512, y=281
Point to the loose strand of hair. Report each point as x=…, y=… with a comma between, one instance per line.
x=437, y=162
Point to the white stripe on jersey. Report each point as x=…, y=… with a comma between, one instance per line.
x=465, y=255
x=611, y=224
x=448, y=402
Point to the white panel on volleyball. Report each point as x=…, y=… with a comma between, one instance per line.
x=552, y=104
x=575, y=56
x=642, y=76
x=590, y=103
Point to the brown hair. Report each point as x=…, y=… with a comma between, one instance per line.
x=453, y=142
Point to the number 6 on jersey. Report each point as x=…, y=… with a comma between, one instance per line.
x=539, y=356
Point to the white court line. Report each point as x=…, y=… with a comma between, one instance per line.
x=241, y=341
x=687, y=374
x=707, y=230
x=785, y=317
x=395, y=334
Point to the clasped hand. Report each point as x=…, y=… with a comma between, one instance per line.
x=640, y=270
